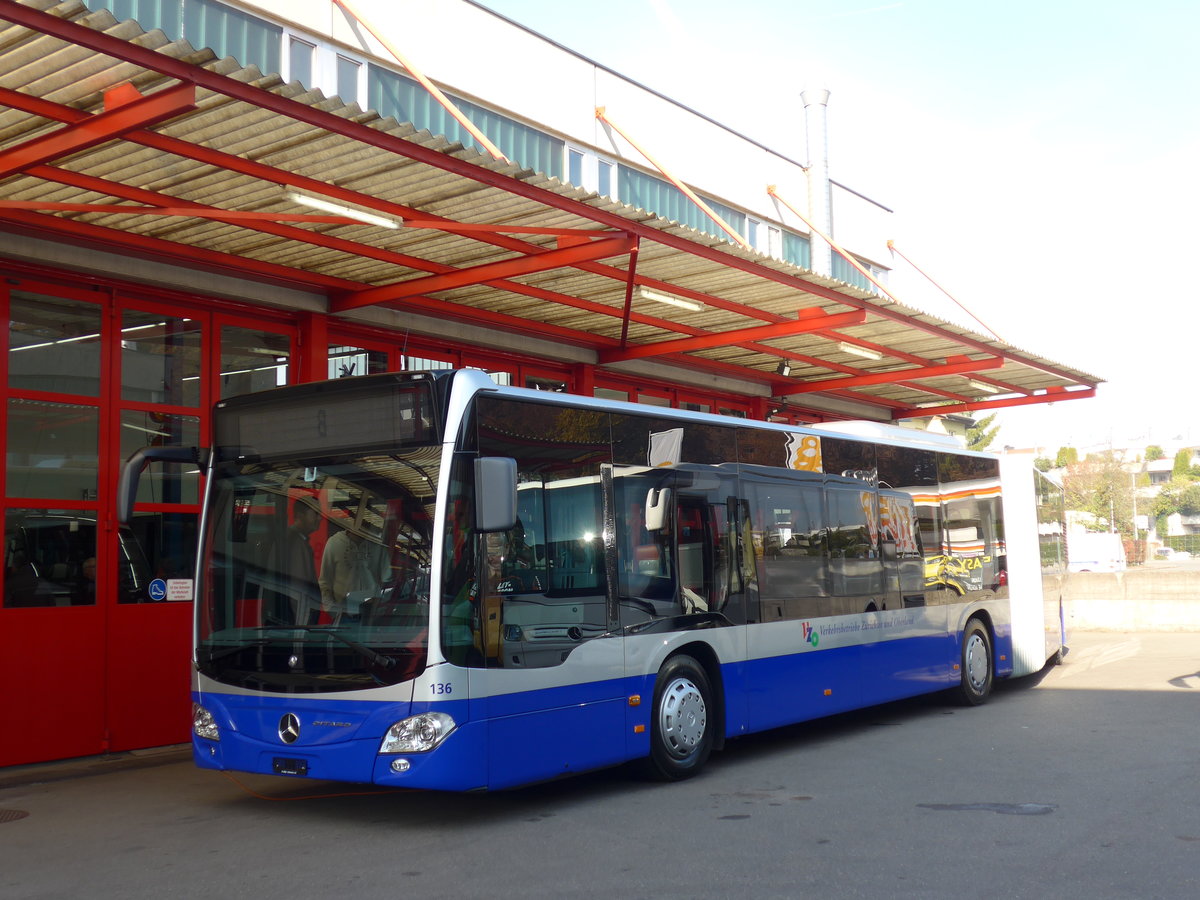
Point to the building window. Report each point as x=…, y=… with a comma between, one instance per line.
x=774, y=242
x=796, y=250
x=54, y=345
x=52, y=449
x=605, y=183
x=205, y=23
x=300, y=61
x=348, y=362
x=425, y=364
x=161, y=359
x=351, y=79
x=553, y=385
x=664, y=199
x=395, y=95
x=252, y=360
x=843, y=270
x=575, y=161
x=753, y=227
x=588, y=170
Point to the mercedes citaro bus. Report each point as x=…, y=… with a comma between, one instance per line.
x=427, y=580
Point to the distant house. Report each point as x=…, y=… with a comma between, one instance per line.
x=1159, y=470
x=1178, y=523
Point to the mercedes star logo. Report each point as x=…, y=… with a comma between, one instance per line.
x=289, y=729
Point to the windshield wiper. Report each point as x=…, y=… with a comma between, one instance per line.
x=377, y=659
x=214, y=655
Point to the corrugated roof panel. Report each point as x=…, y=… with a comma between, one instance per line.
x=743, y=287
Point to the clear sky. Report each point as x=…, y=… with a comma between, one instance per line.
x=1042, y=158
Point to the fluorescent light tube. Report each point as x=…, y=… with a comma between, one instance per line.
x=865, y=352
x=337, y=209
x=669, y=299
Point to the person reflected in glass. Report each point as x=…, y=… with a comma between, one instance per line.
x=301, y=592
x=85, y=585
x=352, y=569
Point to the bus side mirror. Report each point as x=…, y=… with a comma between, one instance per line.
x=132, y=470
x=657, y=502
x=495, y=493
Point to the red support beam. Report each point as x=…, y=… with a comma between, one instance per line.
x=298, y=111
x=727, y=338
x=523, y=265
x=784, y=388
x=129, y=244
x=410, y=215
x=909, y=357
x=1002, y=403
x=232, y=216
x=320, y=239
x=99, y=129
x=630, y=281
x=314, y=347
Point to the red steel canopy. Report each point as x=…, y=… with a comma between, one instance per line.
x=117, y=139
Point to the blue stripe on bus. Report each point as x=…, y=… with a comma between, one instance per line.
x=509, y=739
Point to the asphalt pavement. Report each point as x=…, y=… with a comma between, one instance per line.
x=1081, y=781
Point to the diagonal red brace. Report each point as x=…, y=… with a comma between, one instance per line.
x=806, y=322
x=522, y=265
x=832, y=384
x=99, y=129
x=951, y=409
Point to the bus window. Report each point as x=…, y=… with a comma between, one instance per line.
x=973, y=562
x=675, y=543
x=903, y=561
x=544, y=585
x=794, y=575
x=855, y=569
x=707, y=543
x=643, y=501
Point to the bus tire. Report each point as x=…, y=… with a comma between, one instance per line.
x=681, y=733
x=976, y=683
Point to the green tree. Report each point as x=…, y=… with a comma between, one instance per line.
x=1043, y=464
x=1183, y=465
x=1154, y=452
x=980, y=435
x=1067, y=456
x=1100, y=485
x=1180, y=495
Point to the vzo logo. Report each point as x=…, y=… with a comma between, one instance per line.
x=810, y=635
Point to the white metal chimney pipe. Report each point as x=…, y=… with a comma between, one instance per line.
x=820, y=197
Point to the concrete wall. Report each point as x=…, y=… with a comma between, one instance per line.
x=1149, y=598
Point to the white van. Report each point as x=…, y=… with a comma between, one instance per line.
x=1095, y=551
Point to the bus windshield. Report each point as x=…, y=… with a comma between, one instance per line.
x=316, y=571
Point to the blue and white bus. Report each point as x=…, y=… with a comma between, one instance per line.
x=425, y=580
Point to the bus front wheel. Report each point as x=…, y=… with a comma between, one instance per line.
x=681, y=735
x=976, y=682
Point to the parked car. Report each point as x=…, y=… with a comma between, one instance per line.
x=1171, y=554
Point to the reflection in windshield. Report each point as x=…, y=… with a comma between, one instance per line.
x=317, y=577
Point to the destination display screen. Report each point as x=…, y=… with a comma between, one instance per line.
x=327, y=419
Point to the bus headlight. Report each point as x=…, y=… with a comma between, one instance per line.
x=417, y=734
x=203, y=723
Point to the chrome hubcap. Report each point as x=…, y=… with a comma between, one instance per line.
x=977, y=661
x=682, y=717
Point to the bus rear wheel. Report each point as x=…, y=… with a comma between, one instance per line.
x=681, y=734
x=976, y=683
